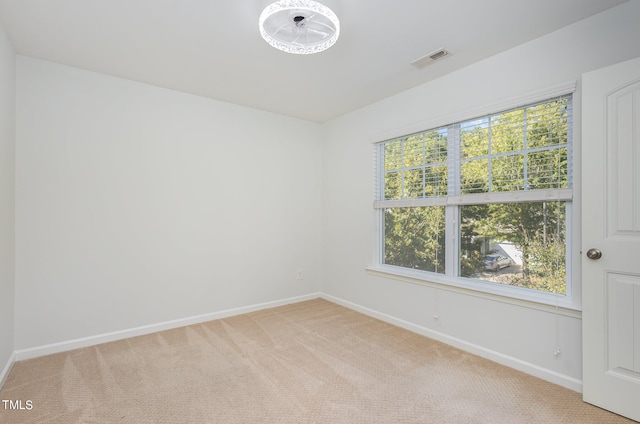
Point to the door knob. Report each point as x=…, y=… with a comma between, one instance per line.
x=594, y=254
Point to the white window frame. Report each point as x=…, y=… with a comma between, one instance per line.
x=570, y=302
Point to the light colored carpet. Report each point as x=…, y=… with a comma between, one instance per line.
x=311, y=362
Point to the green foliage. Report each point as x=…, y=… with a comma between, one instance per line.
x=537, y=230
x=546, y=270
x=471, y=263
x=414, y=238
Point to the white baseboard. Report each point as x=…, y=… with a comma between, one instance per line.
x=515, y=363
x=509, y=361
x=49, y=349
x=5, y=371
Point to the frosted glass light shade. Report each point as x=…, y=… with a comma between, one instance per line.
x=299, y=26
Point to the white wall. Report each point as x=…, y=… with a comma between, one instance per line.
x=516, y=335
x=137, y=205
x=7, y=162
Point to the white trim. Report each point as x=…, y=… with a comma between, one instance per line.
x=528, y=298
x=5, y=371
x=410, y=202
x=543, y=195
x=486, y=109
x=49, y=349
x=509, y=361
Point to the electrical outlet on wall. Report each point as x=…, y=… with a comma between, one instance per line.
x=299, y=275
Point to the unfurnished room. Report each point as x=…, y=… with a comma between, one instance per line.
x=331, y=211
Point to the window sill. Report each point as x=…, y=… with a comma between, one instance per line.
x=532, y=299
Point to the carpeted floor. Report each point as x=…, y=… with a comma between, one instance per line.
x=310, y=362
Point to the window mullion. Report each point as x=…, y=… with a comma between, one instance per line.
x=570, y=142
x=423, y=167
x=489, y=157
x=381, y=171
x=451, y=241
x=380, y=195
x=451, y=211
x=525, y=149
x=402, y=170
x=453, y=160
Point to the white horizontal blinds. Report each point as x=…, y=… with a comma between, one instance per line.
x=378, y=161
x=526, y=149
x=415, y=166
x=549, y=127
x=521, y=149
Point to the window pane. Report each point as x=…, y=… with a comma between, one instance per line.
x=519, y=244
x=416, y=166
x=392, y=185
x=507, y=132
x=507, y=173
x=414, y=182
x=474, y=138
x=548, y=169
x=414, y=151
x=436, y=145
x=547, y=123
x=474, y=176
x=414, y=238
x=392, y=155
x=436, y=181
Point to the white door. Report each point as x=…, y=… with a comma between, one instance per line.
x=611, y=224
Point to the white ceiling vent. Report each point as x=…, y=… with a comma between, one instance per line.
x=430, y=58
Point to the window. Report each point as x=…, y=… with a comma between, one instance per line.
x=486, y=201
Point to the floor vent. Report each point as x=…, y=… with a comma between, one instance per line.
x=430, y=58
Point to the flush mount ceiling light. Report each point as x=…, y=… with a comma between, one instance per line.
x=299, y=26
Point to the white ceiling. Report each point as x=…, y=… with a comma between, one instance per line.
x=213, y=48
